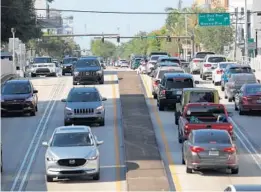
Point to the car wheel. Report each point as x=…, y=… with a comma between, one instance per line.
x=49, y=178
x=33, y=75
x=225, y=95
x=36, y=108
x=63, y=74
x=101, y=82
x=161, y=107
x=96, y=176
x=200, y=75
x=154, y=95
x=236, y=108
x=74, y=83
x=32, y=113
x=183, y=160
x=230, y=99
x=66, y=123
x=204, y=77
x=176, y=120
x=216, y=83
x=241, y=112
x=189, y=170
x=102, y=123
x=234, y=171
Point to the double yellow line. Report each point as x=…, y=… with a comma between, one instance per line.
x=171, y=165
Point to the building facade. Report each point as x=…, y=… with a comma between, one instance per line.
x=212, y=3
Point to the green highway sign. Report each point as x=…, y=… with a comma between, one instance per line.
x=214, y=19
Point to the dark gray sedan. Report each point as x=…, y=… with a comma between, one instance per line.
x=209, y=149
x=84, y=105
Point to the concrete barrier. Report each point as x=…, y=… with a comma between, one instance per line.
x=8, y=71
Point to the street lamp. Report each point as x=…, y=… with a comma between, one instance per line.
x=13, y=33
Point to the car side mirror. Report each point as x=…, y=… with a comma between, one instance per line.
x=17, y=68
x=63, y=100
x=258, y=81
x=104, y=99
x=196, y=82
x=35, y=91
x=45, y=144
x=97, y=141
x=254, y=70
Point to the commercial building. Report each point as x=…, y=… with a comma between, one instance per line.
x=212, y=3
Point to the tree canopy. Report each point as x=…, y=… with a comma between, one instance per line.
x=20, y=14
x=104, y=49
x=209, y=38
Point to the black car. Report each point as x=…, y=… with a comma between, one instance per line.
x=19, y=96
x=67, y=64
x=170, y=88
x=88, y=70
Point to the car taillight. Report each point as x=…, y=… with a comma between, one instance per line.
x=245, y=99
x=155, y=83
x=195, y=61
x=207, y=65
x=230, y=150
x=163, y=92
x=219, y=71
x=230, y=129
x=196, y=149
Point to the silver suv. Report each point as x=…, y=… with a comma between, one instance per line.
x=84, y=105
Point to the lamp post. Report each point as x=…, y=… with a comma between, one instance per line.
x=13, y=33
x=246, y=30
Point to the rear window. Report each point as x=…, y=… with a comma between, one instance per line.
x=205, y=111
x=202, y=55
x=154, y=58
x=170, y=60
x=162, y=64
x=253, y=90
x=223, y=65
x=240, y=70
x=212, y=137
x=83, y=97
x=197, y=97
x=161, y=73
x=216, y=59
x=242, y=78
x=179, y=83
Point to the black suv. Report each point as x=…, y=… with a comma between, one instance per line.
x=19, y=96
x=67, y=64
x=88, y=70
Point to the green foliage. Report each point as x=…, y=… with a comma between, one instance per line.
x=105, y=50
x=209, y=38
x=22, y=18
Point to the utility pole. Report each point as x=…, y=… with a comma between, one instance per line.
x=235, y=50
x=180, y=5
x=246, y=30
x=13, y=33
x=186, y=27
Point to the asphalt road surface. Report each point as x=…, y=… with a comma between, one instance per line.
x=23, y=155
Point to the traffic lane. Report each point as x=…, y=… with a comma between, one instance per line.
x=17, y=132
x=249, y=132
x=249, y=173
x=108, y=180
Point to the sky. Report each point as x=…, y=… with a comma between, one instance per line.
x=125, y=25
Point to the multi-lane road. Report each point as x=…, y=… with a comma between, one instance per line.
x=23, y=155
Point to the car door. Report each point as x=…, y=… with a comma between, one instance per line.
x=239, y=96
x=35, y=96
x=186, y=144
x=161, y=86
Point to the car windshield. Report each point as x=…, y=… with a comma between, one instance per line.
x=196, y=97
x=170, y=60
x=154, y=58
x=87, y=63
x=223, y=65
x=72, y=140
x=43, y=60
x=161, y=73
x=16, y=88
x=199, y=111
x=241, y=70
x=203, y=55
x=210, y=137
x=80, y=96
x=253, y=90
x=69, y=60
x=179, y=83
x=216, y=59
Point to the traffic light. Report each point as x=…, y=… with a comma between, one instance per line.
x=168, y=39
x=102, y=39
x=118, y=39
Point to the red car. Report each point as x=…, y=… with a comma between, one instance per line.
x=248, y=98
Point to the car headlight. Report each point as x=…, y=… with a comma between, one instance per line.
x=99, y=72
x=29, y=99
x=53, y=159
x=99, y=109
x=76, y=73
x=93, y=156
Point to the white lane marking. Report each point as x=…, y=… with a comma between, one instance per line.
x=246, y=139
x=39, y=139
x=55, y=89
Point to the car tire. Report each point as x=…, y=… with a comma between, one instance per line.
x=241, y=112
x=183, y=160
x=32, y=113
x=234, y=171
x=66, y=123
x=154, y=95
x=96, y=177
x=63, y=74
x=74, y=83
x=236, y=108
x=161, y=107
x=102, y=123
x=222, y=88
x=101, y=81
x=36, y=108
x=49, y=178
x=33, y=75
x=204, y=77
x=188, y=170
x=200, y=75
x=216, y=83
x=230, y=99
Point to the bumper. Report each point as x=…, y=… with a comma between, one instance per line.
x=170, y=102
x=214, y=165
x=87, y=79
x=251, y=107
x=207, y=73
x=43, y=73
x=84, y=119
x=17, y=108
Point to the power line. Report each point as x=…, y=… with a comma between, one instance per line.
x=124, y=13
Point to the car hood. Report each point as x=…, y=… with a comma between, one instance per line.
x=16, y=96
x=87, y=69
x=75, y=105
x=71, y=152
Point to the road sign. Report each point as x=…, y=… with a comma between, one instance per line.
x=214, y=19
x=251, y=45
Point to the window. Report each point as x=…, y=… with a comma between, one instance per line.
x=179, y=83
x=216, y=59
x=223, y=65
x=16, y=88
x=196, y=97
x=205, y=111
x=212, y=137
x=87, y=63
x=162, y=72
x=69, y=60
x=203, y=54
x=43, y=60
x=75, y=96
x=253, y=90
x=72, y=140
x=154, y=58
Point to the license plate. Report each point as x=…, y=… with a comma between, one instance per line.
x=87, y=73
x=214, y=153
x=258, y=101
x=179, y=92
